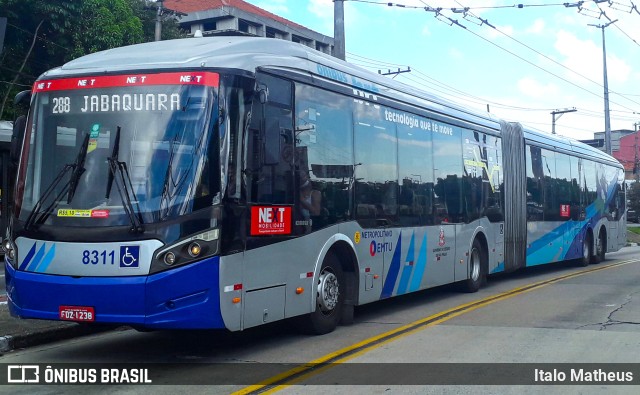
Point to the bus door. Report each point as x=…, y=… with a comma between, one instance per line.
x=449, y=220
x=270, y=181
x=443, y=254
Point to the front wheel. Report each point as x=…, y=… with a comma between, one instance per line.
x=601, y=248
x=330, y=292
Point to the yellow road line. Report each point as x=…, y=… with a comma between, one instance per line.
x=317, y=366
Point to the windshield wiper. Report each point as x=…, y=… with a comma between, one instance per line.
x=124, y=186
x=69, y=187
x=78, y=168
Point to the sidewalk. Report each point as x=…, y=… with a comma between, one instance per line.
x=18, y=333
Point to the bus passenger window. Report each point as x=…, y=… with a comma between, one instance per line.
x=323, y=157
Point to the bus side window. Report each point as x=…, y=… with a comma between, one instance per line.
x=376, y=174
x=448, y=173
x=270, y=143
x=323, y=157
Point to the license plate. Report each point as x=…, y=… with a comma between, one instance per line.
x=77, y=313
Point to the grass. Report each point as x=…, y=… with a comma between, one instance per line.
x=634, y=229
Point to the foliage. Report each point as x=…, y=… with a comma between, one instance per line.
x=634, y=229
x=70, y=28
x=633, y=197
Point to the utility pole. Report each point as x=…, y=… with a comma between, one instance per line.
x=636, y=170
x=559, y=113
x=159, y=20
x=339, y=49
x=607, y=121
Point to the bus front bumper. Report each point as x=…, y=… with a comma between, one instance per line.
x=187, y=297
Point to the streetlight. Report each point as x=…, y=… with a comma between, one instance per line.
x=559, y=113
x=607, y=122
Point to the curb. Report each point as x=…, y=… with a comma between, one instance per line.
x=10, y=342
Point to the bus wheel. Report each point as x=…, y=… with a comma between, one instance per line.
x=477, y=268
x=330, y=292
x=601, y=247
x=586, y=250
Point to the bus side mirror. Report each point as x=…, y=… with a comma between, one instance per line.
x=263, y=96
x=23, y=98
x=17, y=136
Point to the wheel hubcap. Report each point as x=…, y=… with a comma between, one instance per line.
x=475, y=264
x=585, y=248
x=328, y=291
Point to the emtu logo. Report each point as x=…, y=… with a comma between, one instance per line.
x=269, y=220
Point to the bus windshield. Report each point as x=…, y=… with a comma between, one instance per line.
x=116, y=150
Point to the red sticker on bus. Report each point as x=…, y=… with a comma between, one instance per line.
x=99, y=213
x=270, y=220
x=565, y=210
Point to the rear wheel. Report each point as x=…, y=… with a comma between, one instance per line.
x=586, y=250
x=330, y=291
x=477, y=268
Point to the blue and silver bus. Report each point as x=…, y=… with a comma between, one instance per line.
x=230, y=182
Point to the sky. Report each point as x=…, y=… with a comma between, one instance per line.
x=522, y=62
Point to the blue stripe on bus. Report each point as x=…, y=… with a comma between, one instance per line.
x=28, y=258
x=421, y=265
x=392, y=274
x=540, y=251
x=47, y=260
x=408, y=267
x=36, y=259
x=499, y=268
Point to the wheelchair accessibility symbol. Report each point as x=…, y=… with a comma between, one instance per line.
x=129, y=256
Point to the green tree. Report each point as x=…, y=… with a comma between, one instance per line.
x=67, y=29
x=170, y=23
x=105, y=24
x=633, y=196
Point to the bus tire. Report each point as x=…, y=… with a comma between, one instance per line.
x=330, y=290
x=586, y=250
x=477, y=268
x=600, y=248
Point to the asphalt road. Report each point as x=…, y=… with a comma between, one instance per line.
x=573, y=315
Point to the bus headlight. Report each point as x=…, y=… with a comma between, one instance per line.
x=10, y=253
x=169, y=258
x=194, y=249
x=186, y=251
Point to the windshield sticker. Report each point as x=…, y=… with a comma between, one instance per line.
x=83, y=213
x=112, y=81
x=93, y=138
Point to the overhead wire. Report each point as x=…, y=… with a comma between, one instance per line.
x=455, y=22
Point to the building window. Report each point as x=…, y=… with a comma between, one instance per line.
x=301, y=40
x=208, y=26
x=274, y=33
x=247, y=27
x=322, y=47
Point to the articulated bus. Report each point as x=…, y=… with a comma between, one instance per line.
x=231, y=182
